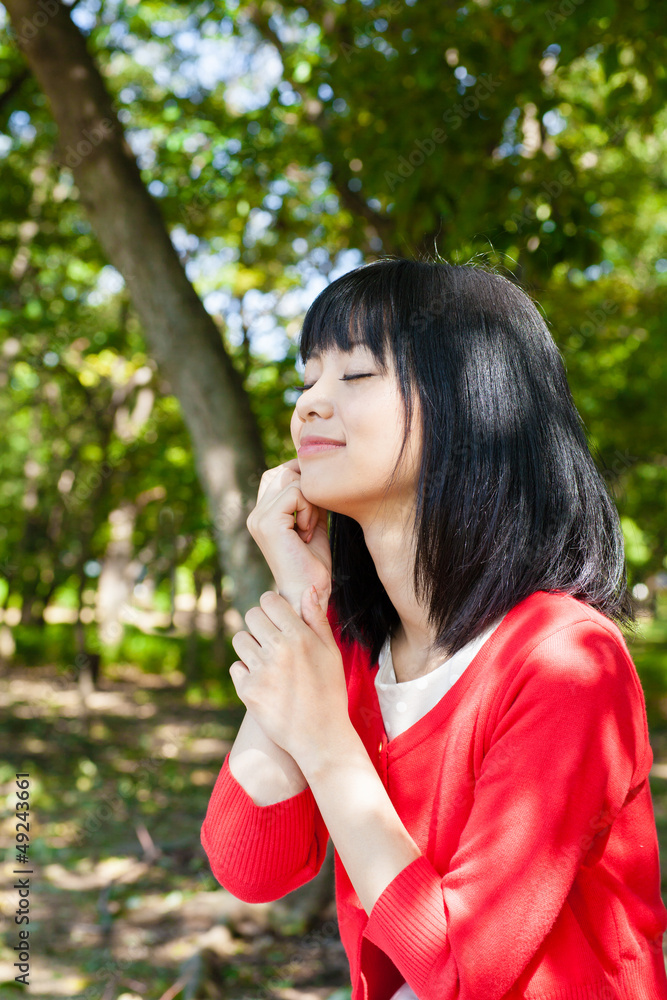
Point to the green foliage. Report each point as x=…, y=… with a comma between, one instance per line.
x=284, y=143
x=36, y=644
x=275, y=138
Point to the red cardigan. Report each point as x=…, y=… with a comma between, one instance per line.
x=526, y=790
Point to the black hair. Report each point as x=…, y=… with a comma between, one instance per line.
x=509, y=499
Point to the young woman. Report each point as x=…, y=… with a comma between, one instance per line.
x=454, y=704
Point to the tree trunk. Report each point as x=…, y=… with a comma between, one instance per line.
x=114, y=587
x=132, y=233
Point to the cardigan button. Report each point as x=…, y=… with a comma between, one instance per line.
x=380, y=747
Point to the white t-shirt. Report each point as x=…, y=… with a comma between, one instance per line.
x=402, y=704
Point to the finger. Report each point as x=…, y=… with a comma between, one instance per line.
x=277, y=477
x=279, y=611
x=291, y=501
x=238, y=673
x=314, y=609
x=260, y=626
x=238, y=667
x=247, y=648
x=321, y=517
x=303, y=511
x=317, y=517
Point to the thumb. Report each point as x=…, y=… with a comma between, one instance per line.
x=314, y=614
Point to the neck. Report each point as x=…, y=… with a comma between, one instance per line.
x=388, y=537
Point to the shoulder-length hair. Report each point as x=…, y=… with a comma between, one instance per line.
x=509, y=499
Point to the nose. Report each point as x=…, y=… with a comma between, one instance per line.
x=314, y=402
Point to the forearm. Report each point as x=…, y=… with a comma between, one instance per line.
x=264, y=770
x=366, y=830
x=260, y=850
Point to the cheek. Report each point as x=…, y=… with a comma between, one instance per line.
x=294, y=427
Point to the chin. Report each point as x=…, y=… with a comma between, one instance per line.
x=321, y=496
x=316, y=492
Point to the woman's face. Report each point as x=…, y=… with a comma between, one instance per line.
x=349, y=400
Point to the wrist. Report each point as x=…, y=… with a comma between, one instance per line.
x=293, y=593
x=342, y=748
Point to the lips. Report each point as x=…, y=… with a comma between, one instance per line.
x=314, y=439
x=311, y=445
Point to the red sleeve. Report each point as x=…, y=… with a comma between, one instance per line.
x=260, y=853
x=565, y=745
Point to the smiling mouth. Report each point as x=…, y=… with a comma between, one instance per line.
x=317, y=446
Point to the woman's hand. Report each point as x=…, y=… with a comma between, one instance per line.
x=297, y=553
x=291, y=679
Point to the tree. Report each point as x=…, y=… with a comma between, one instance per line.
x=532, y=134
x=131, y=231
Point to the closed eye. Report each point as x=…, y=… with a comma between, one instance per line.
x=345, y=378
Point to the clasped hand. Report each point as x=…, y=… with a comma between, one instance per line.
x=290, y=676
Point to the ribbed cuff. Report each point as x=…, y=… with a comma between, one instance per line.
x=408, y=922
x=254, y=849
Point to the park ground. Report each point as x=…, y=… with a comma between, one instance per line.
x=123, y=902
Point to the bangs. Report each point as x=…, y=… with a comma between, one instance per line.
x=356, y=309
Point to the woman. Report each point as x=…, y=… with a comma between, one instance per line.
x=459, y=712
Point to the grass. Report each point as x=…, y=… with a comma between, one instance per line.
x=123, y=902
x=124, y=906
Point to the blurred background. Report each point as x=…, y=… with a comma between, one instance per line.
x=178, y=181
